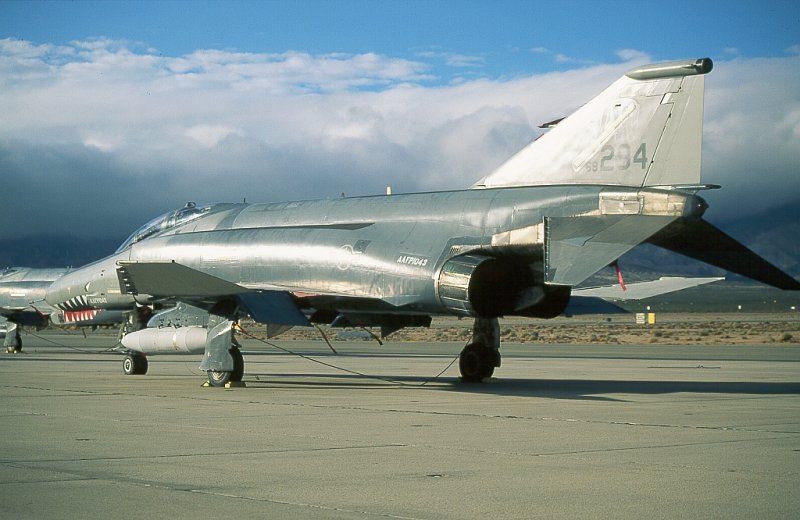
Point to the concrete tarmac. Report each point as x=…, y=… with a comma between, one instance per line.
x=560, y=432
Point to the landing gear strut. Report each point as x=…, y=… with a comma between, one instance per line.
x=135, y=363
x=13, y=341
x=482, y=354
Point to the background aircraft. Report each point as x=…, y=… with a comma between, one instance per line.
x=624, y=169
x=22, y=291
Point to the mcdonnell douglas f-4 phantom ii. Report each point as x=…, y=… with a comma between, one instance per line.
x=19, y=288
x=22, y=291
x=622, y=170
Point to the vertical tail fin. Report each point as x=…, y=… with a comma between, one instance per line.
x=643, y=130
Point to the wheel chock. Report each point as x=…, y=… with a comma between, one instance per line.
x=233, y=384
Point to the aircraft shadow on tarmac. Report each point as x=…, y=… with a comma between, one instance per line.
x=580, y=389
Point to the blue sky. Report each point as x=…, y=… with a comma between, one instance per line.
x=494, y=39
x=114, y=112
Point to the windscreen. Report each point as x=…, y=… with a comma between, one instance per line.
x=164, y=222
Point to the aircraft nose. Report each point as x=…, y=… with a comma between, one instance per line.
x=56, y=293
x=63, y=289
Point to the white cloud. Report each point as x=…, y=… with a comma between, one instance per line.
x=793, y=49
x=210, y=135
x=96, y=129
x=561, y=58
x=452, y=59
x=752, y=134
x=633, y=55
x=102, y=142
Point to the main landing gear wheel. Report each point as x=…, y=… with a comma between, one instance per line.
x=15, y=347
x=221, y=378
x=477, y=363
x=134, y=364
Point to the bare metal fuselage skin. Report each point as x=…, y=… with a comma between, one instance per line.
x=22, y=292
x=381, y=249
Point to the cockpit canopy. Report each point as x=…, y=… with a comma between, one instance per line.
x=166, y=221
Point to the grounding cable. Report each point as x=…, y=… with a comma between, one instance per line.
x=76, y=349
x=342, y=369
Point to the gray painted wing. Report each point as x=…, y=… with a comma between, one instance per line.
x=171, y=279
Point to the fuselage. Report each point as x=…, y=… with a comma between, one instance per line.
x=22, y=293
x=388, y=248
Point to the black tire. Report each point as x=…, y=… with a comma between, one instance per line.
x=238, y=365
x=134, y=365
x=142, y=365
x=127, y=365
x=476, y=363
x=219, y=378
x=15, y=346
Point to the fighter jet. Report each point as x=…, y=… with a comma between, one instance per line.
x=622, y=170
x=19, y=288
x=22, y=291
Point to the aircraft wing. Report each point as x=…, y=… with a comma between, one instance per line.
x=275, y=306
x=172, y=280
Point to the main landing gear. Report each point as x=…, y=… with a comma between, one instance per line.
x=14, y=347
x=220, y=378
x=482, y=354
x=13, y=341
x=222, y=360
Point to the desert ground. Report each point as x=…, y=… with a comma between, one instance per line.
x=669, y=329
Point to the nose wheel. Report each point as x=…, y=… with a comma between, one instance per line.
x=134, y=364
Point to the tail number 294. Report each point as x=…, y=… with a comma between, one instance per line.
x=618, y=158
